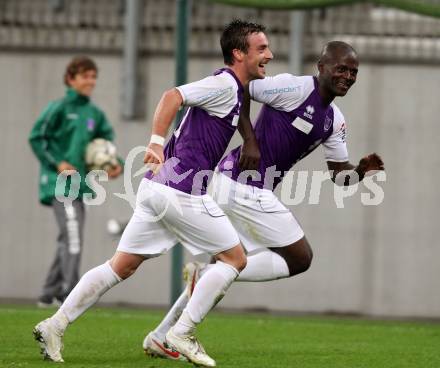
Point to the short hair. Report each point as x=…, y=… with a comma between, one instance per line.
x=78, y=64
x=333, y=48
x=234, y=36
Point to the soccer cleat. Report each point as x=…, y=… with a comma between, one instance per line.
x=156, y=347
x=190, y=347
x=50, y=340
x=191, y=275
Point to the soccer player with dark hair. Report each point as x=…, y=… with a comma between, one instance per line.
x=59, y=139
x=298, y=115
x=178, y=178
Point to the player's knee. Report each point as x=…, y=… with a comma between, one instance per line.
x=125, y=265
x=298, y=256
x=241, y=263
x=124, y=271
x=304, y=264
x=301, y=264
x=235, y=257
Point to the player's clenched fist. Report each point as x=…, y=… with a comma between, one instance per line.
x=154, y=157
x=371, y=162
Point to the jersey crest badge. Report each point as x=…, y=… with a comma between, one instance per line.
x=90, y=124
x=327, y=123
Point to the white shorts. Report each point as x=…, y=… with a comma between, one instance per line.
x=165, y=216
x=260, y=219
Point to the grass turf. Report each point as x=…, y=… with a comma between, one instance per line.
x=113, y=337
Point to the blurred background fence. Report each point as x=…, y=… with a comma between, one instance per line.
x=378, y=33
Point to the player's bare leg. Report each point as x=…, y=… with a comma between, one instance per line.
x=273, y=263
x=277, y=262
x=298, y=256
x=92, y=285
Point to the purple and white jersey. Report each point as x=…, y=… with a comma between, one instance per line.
x=292, y=122
x=200, y=141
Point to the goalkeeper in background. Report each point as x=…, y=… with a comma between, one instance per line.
x=59, y=139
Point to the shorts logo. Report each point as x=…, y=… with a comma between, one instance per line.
x=90, y=124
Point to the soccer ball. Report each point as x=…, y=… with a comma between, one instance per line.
x=101, y=155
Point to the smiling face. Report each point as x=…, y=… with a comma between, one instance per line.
x=245, y=50
x=257, y=56
x=83, y=82
x=338, y=70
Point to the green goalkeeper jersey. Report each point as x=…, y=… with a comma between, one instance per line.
x=62, y=133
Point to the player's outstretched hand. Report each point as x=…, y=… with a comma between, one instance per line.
x=249, y=155
x=65, y=168
x=114, y=171
x=371, y=162
x=154, y=157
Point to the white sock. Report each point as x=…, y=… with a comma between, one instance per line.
x=92, y=285
x=60, y=320
x=208, y=291
x=172, y=316
x=185, y=325
x=264, y=266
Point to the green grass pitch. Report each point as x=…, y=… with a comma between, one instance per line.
x=106, y=337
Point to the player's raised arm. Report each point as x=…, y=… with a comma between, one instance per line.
x=250, y=152
x=344, y=173
x=164, y=115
